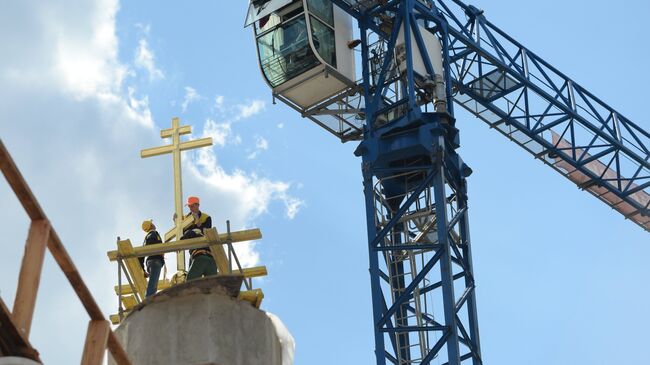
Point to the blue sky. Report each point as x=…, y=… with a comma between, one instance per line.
x=562, y=279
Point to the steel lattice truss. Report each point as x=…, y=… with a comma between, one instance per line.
x=420, y=255
x=533, y=104
x=423, y=288
x=548, y=114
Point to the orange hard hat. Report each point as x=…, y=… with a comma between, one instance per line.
x=192, y=200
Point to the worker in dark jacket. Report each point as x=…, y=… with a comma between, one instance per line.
x=201, y=260
x=154, y=263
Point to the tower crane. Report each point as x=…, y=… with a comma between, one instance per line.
x=420, y=60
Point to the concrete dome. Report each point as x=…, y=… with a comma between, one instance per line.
x=199, y=323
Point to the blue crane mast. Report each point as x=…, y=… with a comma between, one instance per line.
x=419, y=60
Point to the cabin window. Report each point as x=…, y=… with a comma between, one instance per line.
x=267, y=22
x=323, y=9
x=323, y=39
x=285, y=52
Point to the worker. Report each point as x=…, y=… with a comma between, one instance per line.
x=155, y=262
x=201, y=260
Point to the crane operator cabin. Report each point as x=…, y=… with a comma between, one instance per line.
x=306, y=51
x=303, y=48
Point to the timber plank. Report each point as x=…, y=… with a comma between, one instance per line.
x=133, y=266
x=61, y=256
x=30, y=275
x=96, y=341
x=218, y=252
x=188, y=244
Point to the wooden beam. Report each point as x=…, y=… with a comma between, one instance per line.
x=33, y=209
x=237, y=236
x=96, y=341
x=254, y=272
x=126, y=289
x=188, y=244
x=159, y=249
x=218, y=253
x=114, y=318
x=133, y=267
x=254, y=297
x=12, y=342
x=117, y=351
x=69, y=269
x=18, y=185
x=249, y=272
x=30, y=275
x=129, y=302
x=242, y=236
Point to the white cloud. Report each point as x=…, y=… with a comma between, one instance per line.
x=280, y=125
x=222, y=132
x=82, y=64
x=218, y=131
x=145, y=28
x=261, y=144
x=140, y=107
x=293, y=206
x=238, y=111
x=218, y=103
x=250, y=109
x=190, y=96
x=247, y=194
x=145, y=58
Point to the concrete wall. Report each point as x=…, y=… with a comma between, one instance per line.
x=198, y=323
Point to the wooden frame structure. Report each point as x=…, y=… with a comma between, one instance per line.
x=15, y=326
x=127, y=258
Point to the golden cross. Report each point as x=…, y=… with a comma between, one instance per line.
x=175, y=132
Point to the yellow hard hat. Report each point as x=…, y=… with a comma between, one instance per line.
x=146, y=225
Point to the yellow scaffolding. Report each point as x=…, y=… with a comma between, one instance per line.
x=227, y=262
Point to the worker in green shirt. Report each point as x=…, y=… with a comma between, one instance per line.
x=201, y=260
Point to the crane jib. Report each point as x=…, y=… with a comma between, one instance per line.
x=558, y=117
